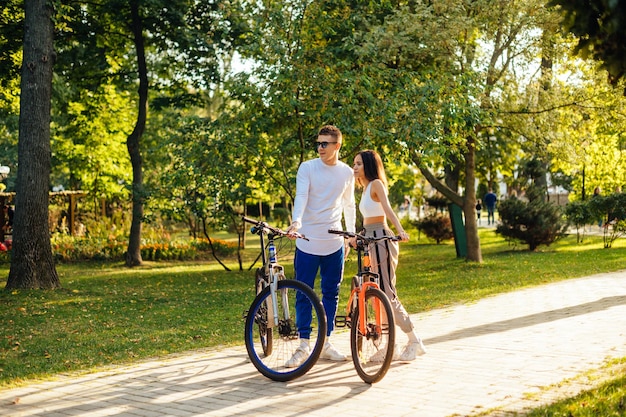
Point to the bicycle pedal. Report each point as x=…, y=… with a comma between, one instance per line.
x=342, y=321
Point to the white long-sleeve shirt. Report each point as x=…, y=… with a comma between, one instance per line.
x=324, y=193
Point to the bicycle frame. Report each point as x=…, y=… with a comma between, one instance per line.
x=360, y=287
x=275, y=272
x=369, y=314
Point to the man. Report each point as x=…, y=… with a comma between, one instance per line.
x=490, y=202
x=324, y=194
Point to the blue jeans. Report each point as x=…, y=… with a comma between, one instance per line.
x=331, y=273
x=490, y=214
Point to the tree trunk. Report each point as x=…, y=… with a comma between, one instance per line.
x=474, y=253
x=133, y=254
x=32, y=263
x=468, y=203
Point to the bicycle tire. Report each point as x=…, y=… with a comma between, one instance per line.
x=285, y=338
x=265, y=332
x=372, y=352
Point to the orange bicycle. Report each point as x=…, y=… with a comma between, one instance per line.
x=369, y=315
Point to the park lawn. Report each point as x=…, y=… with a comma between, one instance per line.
x=607, y=399
x=108, y=314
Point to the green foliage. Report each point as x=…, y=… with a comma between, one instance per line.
x=612, y=210
x=579, y=214
x=437, y=202
x=67, y=249
x=436, y=226
x=600, y=26
x=535, y=222
x=221, y=247
x=11, y=38
x=281, y=216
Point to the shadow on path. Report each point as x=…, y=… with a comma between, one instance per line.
x=531, y=320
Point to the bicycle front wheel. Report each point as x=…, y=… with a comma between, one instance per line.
x=372, y=349
x=279, y=365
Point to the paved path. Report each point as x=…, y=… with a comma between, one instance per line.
x=485, y=357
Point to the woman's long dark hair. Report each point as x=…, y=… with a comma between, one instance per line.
x=373, y=167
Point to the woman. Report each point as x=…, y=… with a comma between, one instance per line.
x=369, y=173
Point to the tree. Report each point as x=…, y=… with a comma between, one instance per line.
x=450, y=62
x=418, y=81
x=166, y=51
x=133, y=253
x=32, y=263
x=209, y=174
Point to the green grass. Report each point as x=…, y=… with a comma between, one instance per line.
x=608, y=399
x=108, y=314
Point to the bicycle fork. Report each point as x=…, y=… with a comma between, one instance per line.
x=277, y=273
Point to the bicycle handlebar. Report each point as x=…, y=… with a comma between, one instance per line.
x=263, y=227
x=363, y=238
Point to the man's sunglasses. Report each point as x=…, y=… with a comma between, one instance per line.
x=324, y=144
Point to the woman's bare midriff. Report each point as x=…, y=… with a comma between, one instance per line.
x=372, y=220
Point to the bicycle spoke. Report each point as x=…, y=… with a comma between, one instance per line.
x=273, y=361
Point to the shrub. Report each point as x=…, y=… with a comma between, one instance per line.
x=579, y=214
x=222, y=248
x=612, y=209
x=535, y=222
x=436, y=226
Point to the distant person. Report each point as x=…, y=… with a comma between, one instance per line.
x=479, y=208
x=490, y=202
x=405, y=208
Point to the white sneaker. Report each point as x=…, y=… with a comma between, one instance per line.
x=411, y=350
x=300, y=355
x=329, y=352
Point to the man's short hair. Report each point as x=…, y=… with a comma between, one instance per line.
x=331, y=131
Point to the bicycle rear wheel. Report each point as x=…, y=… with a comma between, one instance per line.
x=284, y=340
x=372, y=351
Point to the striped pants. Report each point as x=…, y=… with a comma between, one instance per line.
x=384, y=260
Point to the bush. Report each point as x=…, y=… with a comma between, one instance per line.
x=436, y=226
x=579, y=214
x=536, y=222
x=221, y=247
x=612, y=209
x=70, y=249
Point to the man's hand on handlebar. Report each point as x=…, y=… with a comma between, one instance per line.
x=292, y=230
